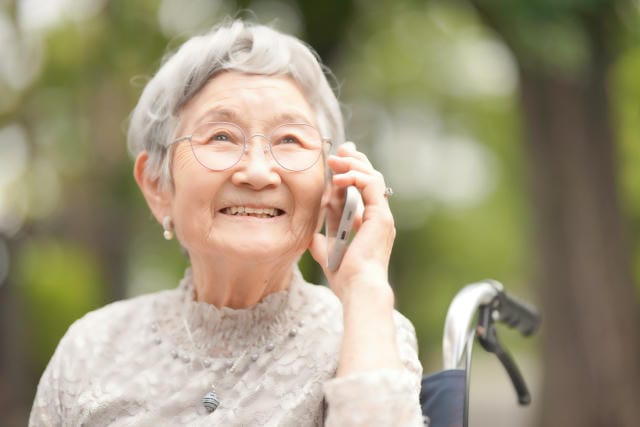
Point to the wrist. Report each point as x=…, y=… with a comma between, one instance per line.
x=377, y=295
x=369, y=341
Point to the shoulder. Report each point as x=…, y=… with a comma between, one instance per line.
x=319, y=306
x=90, y=344
x=321, y=299
x=315, y=297
x=323, y=304
x=320, y=294
x=101, y=330
x=121, y=312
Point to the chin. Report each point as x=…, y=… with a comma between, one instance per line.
x=272, y=256
x=265, y=248
x=257, y=244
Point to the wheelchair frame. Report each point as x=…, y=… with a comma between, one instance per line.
x=473, y=313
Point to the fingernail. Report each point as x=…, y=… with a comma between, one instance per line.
x=351, y=143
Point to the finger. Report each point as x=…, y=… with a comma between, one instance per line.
x=343, y=164
x=348, y=149
x=371, y=185
x=357, y=218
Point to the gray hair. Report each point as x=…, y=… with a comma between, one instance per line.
x=232, y=45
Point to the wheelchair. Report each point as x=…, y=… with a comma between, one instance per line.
x=473, y=314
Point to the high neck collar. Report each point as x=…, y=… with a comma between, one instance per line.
x=219, y=330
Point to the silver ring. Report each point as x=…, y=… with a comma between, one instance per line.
x=388, y=192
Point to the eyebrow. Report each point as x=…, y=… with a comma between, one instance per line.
x=217, y=114
x=229, y=115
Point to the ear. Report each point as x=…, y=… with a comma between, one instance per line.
x=158, y=199
x=326, y=194
x=324, y=202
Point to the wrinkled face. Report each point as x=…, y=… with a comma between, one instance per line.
x=255, y=208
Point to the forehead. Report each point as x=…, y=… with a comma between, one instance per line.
x=235, y=96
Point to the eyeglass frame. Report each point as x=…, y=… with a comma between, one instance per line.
x=245, y=146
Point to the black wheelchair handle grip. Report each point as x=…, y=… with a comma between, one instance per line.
x=488, y=338
x=524, y=398
x=518, y=314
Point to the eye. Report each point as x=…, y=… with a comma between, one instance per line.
x=288, y=139
x=220, y=136
x=296, y=136
x=224, y=133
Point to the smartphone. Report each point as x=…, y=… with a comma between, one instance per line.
x=337, y=244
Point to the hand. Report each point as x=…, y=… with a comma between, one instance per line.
x=365, y=264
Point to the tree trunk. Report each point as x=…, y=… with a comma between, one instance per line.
x=591, y=341
x=584, y=274
x=16, y=391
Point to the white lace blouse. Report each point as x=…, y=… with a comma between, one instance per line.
x=149, y=361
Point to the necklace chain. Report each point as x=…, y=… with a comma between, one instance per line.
x=211, y=400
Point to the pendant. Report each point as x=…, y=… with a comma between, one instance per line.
x=210, y=401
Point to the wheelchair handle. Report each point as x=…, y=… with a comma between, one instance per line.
x=488, y=338
x=517, y=314
x=488, y=300
x=459, y=324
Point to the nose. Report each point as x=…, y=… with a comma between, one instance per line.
x=257, y=168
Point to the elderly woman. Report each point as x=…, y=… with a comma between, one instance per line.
x=232, y=139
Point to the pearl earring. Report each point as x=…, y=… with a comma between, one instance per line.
x=167, y=224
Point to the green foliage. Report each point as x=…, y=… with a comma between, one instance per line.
x=59, y=282
x=556, y=36
x=153, y=264
x=625, y=86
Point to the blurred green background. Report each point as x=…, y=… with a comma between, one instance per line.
x=433, y=91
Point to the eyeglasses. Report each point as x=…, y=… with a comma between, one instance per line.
x=220, y=145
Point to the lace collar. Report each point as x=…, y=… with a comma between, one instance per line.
x=224, y=330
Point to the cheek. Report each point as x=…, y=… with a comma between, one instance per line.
x=192, y=216
x=194, y=187
x=183, y=162
x=312, y=213
x=309, y=205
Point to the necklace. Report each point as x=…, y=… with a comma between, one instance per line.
x=211, y=400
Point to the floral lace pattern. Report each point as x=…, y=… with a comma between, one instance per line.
x=148, y=361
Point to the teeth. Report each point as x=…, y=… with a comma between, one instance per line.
x=259, y=212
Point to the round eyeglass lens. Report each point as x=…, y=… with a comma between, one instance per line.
x=296, y=146
x=217, y=146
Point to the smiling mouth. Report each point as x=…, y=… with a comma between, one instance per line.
x=254, y=212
